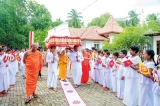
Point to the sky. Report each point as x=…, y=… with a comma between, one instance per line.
x=117, y=8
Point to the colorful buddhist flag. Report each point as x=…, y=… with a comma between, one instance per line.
x=143, y=69
x=99, y=61
x=127, y=63
x=155, y=74
x=8, y=58
x=111, y=63
x=119, y=62
x=18, y=58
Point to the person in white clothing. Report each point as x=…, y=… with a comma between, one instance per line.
x=3, y=74
x=76, y=58
x=106, y=69
x=131, y=79
x=120, y=74
x=22, y=65
x=114, y=72
x=52, y=60
x=69, y=63
x=156, y=86
x=146, y=81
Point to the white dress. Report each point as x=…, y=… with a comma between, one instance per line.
x=120, y=83
x=156, y=90
x=76, y=67
x=145, y=88
x=3, y=75
x=131, y=83
x=113, y=77
x=12, y=70
x=52, y=70
x=107, y=76
x=22, y=65
x=100, y=72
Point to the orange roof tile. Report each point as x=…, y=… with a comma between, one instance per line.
x=87, y=33
x=111, y=27
x=91, y=34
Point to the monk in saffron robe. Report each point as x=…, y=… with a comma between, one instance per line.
x=63, y=63
x=33, y=63
x=85, y=67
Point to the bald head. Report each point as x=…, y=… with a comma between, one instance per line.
x=34, y=47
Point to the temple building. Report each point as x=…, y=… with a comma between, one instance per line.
x=93, y=36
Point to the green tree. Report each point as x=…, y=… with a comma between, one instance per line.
x=74, y=18
x=151, y=17
x=18, y=17
x=134, y=20
x=57, y=22
x=99, y=21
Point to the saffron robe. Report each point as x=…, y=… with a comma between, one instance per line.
x=85, y=68
x=32, y=67
x=63, y=66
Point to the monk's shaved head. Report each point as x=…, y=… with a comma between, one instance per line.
x=34, y=47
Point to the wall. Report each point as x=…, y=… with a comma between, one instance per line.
x=61, y=30
x=155, y=39
x=89, y=44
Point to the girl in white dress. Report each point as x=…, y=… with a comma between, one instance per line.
x=131, y=79
x=113, y=73
x=120, y=75
x=106, y=69
x=146, y=81
x=156, y=86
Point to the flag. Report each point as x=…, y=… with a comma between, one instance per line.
x=127, y=63
x=111, y=63
x=18, y=58
x=119, y=62
x=4, y=59
x=9, y=58
x=155, y=74
x=143, y=69
x=13, y=53
x=99, y=61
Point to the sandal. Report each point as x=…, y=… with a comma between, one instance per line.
x=35, y=95
x=27, y=100
x=64, y=80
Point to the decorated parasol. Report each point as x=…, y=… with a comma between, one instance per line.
x=63, y=41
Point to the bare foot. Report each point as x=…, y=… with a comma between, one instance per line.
x=120, y=99
x=88, y=83
x=1, y=94
x=54, y=89
x=4, y=92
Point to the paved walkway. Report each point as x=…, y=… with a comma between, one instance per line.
x=93, y=94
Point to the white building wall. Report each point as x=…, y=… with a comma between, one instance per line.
x=155, y=39
x=61, y=30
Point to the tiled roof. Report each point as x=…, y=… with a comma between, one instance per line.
x=110, y=27
x=87, y=33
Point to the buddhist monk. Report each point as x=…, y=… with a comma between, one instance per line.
x=63, y=63
x=33, y=63
x=85, y=67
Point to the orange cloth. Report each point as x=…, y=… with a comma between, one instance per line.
x=33, y=65
x=63, y=67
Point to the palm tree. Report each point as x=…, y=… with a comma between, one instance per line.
x=74, y=18
x=152, y=17
x=134, y=20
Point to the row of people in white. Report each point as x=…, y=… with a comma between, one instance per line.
x=132, y=87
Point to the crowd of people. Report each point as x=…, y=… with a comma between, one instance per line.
x=108, y=70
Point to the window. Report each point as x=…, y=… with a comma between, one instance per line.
x=158, y=47
x=96, y=46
